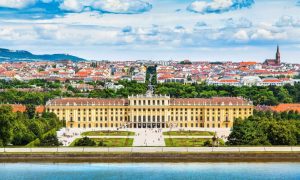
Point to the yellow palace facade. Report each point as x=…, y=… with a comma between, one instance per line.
x=150, y=111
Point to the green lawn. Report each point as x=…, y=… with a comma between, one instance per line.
x=108, y=133
x=110, y=142
x=188, y=133
x=184, y=142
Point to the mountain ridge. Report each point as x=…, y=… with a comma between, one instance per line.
x=7, y=55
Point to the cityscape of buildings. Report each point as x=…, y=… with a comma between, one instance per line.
x=80, y=112
x=270, y=72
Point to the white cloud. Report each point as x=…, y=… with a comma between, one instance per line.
x=265, y=34
x=16, y=4
x=241, y=35
x=107, y=6
x=215, y=5
x=121, y=6
x=240, y=23
x=287, y=21
x=218, y=6
x=72, y=5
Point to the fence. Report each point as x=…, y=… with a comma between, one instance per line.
x=149, y=149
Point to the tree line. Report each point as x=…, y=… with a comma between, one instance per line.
x=19, y=129
x=266, y=128
x=260, y=95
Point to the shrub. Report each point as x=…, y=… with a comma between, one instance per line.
x=85, y=142
x=50, y=140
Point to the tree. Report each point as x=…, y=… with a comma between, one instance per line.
x=50, y=140
x=6, y=120
x=85, y=142
x=21, y=134
x=101, y=143
x=30, y=111
x=36, y=128
x=208, y=143
x=266, y=128
x=281, y=133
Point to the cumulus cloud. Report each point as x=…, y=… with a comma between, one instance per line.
x=200, y=24
x=62, y=6
x=17, y=4
x=266, y=34
x=287, y=21
x=241, y=35
x=240, y=23
x=107, y=6
x=72, y=5
x=139, y=36
x=218, y=6
x=121, y=6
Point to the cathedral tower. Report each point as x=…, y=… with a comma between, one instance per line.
x=278, y=56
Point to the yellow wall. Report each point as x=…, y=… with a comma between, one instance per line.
x=191, y=116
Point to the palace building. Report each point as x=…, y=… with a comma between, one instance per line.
x=150, y=111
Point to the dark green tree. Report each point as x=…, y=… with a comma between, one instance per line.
x=50, y=140
x=85, y=142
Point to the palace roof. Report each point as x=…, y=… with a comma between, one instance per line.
x=173, y=101
x=211, y=101
x=86, y=101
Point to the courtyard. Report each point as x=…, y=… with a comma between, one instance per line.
x=148, y=137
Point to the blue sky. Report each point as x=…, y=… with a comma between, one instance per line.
x=213, y=30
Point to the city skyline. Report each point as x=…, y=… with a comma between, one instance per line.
x=217, y=30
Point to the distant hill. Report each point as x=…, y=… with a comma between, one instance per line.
x=20, y=55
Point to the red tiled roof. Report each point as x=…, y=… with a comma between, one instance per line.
x=207, y=101
x=22, y=108
x=247, y=63
x=173, y=101
x=272, y=80
x=228, y=80
x=86, y=101
x=286, y=107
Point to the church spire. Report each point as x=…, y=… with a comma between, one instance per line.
x=278, y=62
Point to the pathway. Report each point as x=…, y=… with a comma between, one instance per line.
x=148, y=137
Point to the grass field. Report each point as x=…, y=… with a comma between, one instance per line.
x=108, y=133
x=184, y=142
x=111, y=142
x=188, y=133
